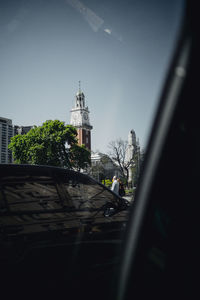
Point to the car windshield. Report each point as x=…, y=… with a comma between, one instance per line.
x=115, y=53
x=80, y=82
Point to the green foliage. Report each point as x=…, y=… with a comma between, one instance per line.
x=53, y=143
x=19, y=145
x=129, y=191
x=107, y=182
x=80, y=157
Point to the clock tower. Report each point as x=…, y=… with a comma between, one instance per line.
x=80, y=120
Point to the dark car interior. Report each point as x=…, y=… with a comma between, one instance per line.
x=157, y=255
x=161, y=253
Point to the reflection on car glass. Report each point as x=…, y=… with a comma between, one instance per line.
x=31, y=195
x=89, y=195
x=63, y=203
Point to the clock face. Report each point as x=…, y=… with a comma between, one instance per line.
x=75, y=116
x=85, y=116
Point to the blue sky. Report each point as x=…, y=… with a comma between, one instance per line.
x=119, y=50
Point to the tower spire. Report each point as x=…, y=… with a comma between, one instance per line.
x=79, y=86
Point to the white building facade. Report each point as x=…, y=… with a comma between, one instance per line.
x=103, y=167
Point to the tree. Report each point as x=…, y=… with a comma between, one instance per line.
x=129, y=166
x=117, y=152
x=53, y=143
x=79, y=157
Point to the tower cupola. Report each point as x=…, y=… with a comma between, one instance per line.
x=80, y=98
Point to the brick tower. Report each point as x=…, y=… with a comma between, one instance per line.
x=80, y=120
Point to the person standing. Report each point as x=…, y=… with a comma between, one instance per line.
x=121, y=188
x=115, y=185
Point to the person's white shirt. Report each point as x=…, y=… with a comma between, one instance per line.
x=115, y=186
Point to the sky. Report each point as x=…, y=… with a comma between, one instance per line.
x=119, y=50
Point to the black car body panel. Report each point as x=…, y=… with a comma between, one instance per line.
x=43, y=206
x=59, y=230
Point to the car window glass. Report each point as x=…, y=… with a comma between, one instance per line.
x=89, y=195
x=33, y=194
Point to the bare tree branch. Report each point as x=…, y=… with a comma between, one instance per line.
x=117, y=152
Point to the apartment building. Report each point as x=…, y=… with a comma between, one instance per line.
x=6, y=132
